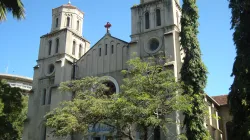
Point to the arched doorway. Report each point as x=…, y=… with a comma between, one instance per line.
x=111, y=82
x=111, y=86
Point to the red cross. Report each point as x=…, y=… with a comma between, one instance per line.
x=108, y=25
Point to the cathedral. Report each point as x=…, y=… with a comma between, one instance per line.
x=64, y=54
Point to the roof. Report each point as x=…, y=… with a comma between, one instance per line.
x=15, y=77
x=69, y=6
x=222, y=99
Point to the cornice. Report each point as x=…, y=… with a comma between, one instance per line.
x=54, y=33
x=147, y=4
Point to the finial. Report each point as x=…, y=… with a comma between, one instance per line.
x=108, y=25
x=69, y=2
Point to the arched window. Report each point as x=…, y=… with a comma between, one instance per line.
x=56, y=22
x=147, y=20
x=57, y=45
x=100, y=51
x=44, y=97
x=50, y=46
x=68, y=21
x=106, y=49
x=157, y=133
x=112, y=49
x=78, y=25
x=80, y=50
x=74, y=48
x=158, y=17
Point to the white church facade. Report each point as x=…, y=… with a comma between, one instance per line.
x=64, y=55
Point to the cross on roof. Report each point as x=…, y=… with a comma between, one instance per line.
x=108, y=25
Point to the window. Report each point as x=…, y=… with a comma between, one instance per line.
x=43, y=133
x=96, y=138
x=106, y=49
x=49, y=100
x=44, y=97
x=68, y=21
x=80, y=50
x=100, y=51
x=78, y=25
x=157, y=133
x=112, y=49
x=56, y=22
x=50, y=46
x=147, y=20
x=154, y=44
x=57, y=45
x=51, y=68
x=73, y=48
x=158, y=17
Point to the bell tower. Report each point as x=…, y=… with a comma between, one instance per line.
x=67, y=16
x=59, y=50
x=155, y=27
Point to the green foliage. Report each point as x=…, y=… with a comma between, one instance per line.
x=193, y=72
x=239, y=96
x=13, y=109
x=14, y=6
x=148, y=94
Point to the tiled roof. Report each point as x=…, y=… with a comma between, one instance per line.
x=69, y=6
x=222, y=99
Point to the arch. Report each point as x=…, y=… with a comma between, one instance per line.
x=147, y=24
x=158, y=17
x=74, y=48
x=68, y=21
x=57, y=45
x=109, y=78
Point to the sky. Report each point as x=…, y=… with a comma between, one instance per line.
x=19, y=40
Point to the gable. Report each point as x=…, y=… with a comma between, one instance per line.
x=109, y=54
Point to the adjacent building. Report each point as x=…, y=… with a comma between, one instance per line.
x=24, y=83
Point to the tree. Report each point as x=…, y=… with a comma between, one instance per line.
x=193, y=72
x=148, y=95
x=12, y=112
x=239, y=96
x=14, y=6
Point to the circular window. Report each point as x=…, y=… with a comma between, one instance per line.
x=51, y=69
x=153, y=44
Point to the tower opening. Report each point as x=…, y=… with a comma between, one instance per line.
x=68, y=21
x=147, y=20
x=158, y=17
